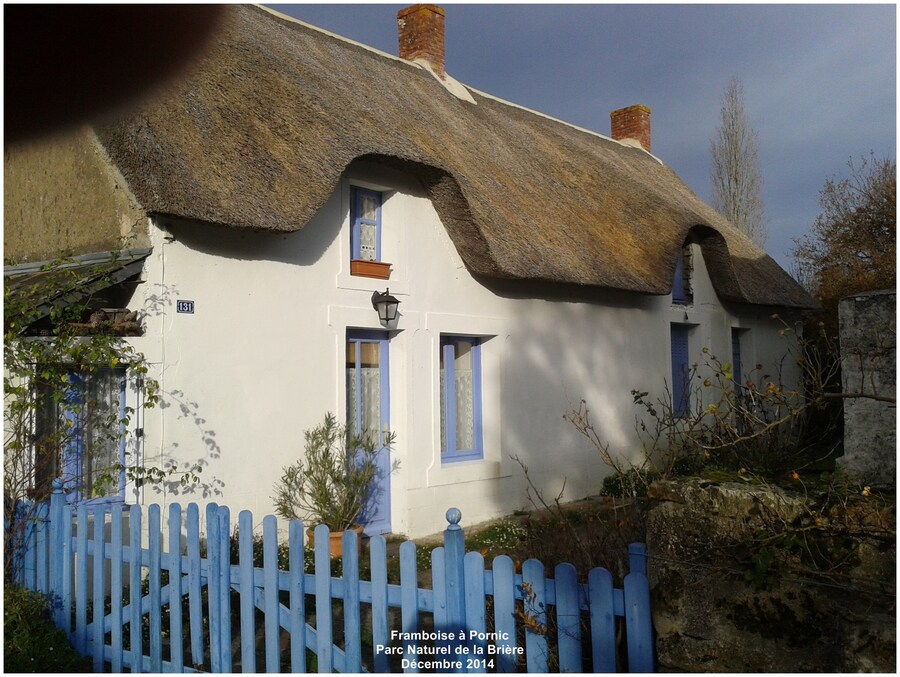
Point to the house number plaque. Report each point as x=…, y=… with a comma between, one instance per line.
x=184, y=307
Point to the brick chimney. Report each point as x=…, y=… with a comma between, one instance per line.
x=632, y=122
x=420, y=29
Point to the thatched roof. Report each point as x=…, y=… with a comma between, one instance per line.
x=260, y=133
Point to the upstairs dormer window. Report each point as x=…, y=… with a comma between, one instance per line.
x=365, y=234
x=366, y=214
x=682, y=291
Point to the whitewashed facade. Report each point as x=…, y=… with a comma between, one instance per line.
x=262, y=357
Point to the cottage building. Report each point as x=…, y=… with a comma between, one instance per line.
x=294, y=174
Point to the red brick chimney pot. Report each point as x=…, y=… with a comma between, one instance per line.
x=420, y=29
x=632, y=122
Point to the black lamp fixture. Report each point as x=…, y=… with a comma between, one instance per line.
x=385, y=305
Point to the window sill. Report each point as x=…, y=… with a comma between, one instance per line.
x=462, y=456
x=376, y=269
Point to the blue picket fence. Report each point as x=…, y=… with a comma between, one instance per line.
x=131, y=601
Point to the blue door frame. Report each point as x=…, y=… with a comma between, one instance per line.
x=376, y=517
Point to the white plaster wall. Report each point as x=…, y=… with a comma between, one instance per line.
x=262, y=358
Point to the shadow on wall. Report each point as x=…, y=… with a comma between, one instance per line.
x=303, y=247
x=196, y=486
x=567, y=344
x=183, y=475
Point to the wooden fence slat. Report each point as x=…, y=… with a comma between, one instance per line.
x=14, y=559
x=22, y=527
x=380, y=629
x=352, y=649
x=245, y=578
x=29, y=570
x=154, y=577
x=409, y=596
x=195, y=595
x=505, y=611
x=323, y=600
x=153, y=527
x=536, y=655
x=66, y=570
x=81, y=582
x=99, y=586
x=270, y=569
x=439, y=588
x=297, y=592
x=134, y=590
x=115, y=575
x=57, y=515
x=454, y=575
x=638, y=623
x=176, y=639
x=42, y=517
x=603, y=620
x=637, y=558
x=224, y=587
x=568, y=618
x=212, y=586
x=475, y=616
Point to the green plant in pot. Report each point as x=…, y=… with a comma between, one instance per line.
x=331, y=483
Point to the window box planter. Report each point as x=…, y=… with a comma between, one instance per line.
x=376, y=269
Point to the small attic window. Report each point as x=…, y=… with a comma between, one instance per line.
x=682, y=291
x=365, y=234
x=366, y=216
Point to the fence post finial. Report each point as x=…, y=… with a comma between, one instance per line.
x=454, y=515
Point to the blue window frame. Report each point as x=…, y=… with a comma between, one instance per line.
x=368, y=402
x=368, y=413
x=681, y=386
x=682, y=293
x=82, y=438
x=365, y=217
x=460, y=384
x=737, y=373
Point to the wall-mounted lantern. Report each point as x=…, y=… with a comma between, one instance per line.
x=385, y=305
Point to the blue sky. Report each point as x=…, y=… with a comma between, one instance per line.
x=819, y=80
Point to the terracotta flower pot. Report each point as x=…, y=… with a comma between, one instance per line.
x=335, y=540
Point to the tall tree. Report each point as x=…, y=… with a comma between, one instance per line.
x=734, y=170
x=852, y=246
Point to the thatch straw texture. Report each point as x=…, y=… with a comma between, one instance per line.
x=260, y=133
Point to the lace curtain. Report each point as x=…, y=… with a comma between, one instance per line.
x=368, y=394
x=102, y=425
x=463, y=391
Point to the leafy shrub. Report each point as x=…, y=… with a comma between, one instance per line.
x=757, y=426
x=31, y=643
x=331, y=484
x=632, y=483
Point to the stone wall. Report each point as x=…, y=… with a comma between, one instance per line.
x=736, y=574
x=868, y=365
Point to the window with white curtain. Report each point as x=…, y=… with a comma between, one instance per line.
x=365, y=234
x=460, y=386
x=80, y=434
x=364, y=385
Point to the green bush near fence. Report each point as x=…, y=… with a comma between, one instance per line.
x=31, y=643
